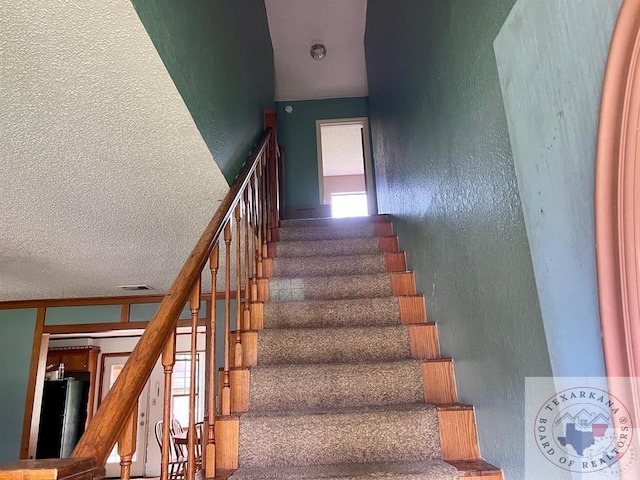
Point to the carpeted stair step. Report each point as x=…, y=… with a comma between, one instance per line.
x=353, y=312
x=328, y=265
x=333, y=345
x=335, y=222
x=376, y=434
x=347, y=246
x=421, y=470
x=330, y=287
x=294, y=387
x=327, y=232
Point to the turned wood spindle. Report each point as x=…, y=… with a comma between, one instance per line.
x=259, y=223
x=210, y=448
x=266, y=234
x=168, y=361
x=254, y=236
x=238, y=347
x=247, y=264
x=127, y=443
x=194, y=306
x=226, y=388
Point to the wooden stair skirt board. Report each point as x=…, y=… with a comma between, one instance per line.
x=52, y=469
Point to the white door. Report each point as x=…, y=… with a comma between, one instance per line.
x=112, y=366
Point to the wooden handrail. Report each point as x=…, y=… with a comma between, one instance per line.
x=115, y=410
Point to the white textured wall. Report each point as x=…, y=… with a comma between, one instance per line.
x=104, y=178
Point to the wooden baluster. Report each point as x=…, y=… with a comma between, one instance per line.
x=194, y=306
x=254, y=240
x=266, y=236
x=210, y=449
x=259, y=224
x=168, y=361
x=265, y=194
x=127, y=443
x=238, y=348
x=225, y=401
x=261, y=230
x=247, y=314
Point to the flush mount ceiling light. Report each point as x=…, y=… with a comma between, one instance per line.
x=318, y=51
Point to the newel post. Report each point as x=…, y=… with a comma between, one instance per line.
x=270, y=121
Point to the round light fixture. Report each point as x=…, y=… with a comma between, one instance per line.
x=288, y=109
x=318, y=51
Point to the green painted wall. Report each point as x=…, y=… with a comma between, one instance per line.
x=219, y=55
x=15, y=361
x=551, y=57
x=297, y=132
x=444, y=169
x=79, y=315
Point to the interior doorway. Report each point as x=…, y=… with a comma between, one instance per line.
x=345, y=170
x=111, y=366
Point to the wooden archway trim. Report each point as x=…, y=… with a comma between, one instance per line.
x=617, y=199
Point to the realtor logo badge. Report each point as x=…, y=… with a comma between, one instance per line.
x=583, y=430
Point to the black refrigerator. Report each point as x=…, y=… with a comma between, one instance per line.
x=62, y=418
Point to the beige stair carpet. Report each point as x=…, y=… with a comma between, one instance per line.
x=336, y=394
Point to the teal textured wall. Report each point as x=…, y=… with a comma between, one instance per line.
x=219, y=55
x=445, y=170
x=297, y=132
x=551, y=57
x=15, y=361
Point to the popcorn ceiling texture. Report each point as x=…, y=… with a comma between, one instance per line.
x=104, y=177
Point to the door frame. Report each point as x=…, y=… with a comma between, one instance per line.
x=139, y=467
x=372, y=204
x=617, y=207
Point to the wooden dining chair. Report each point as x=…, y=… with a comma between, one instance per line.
x=177, y=465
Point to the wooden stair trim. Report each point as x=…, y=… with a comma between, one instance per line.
x=403, y=283
x=477, y=469
x=439, y=382
x=249, y=340
x=263, y=289
x=382, y=229
x=227, y=442
x=388, y=244
x=395, y=261
x=267, y=267
x=423, y=341
x=412, y=309
x=256, y=310
x=458, y=434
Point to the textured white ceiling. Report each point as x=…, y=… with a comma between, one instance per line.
x=342, y=150
x=104, y=177
x=295, y=25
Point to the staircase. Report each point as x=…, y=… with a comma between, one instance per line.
x=346, y=379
